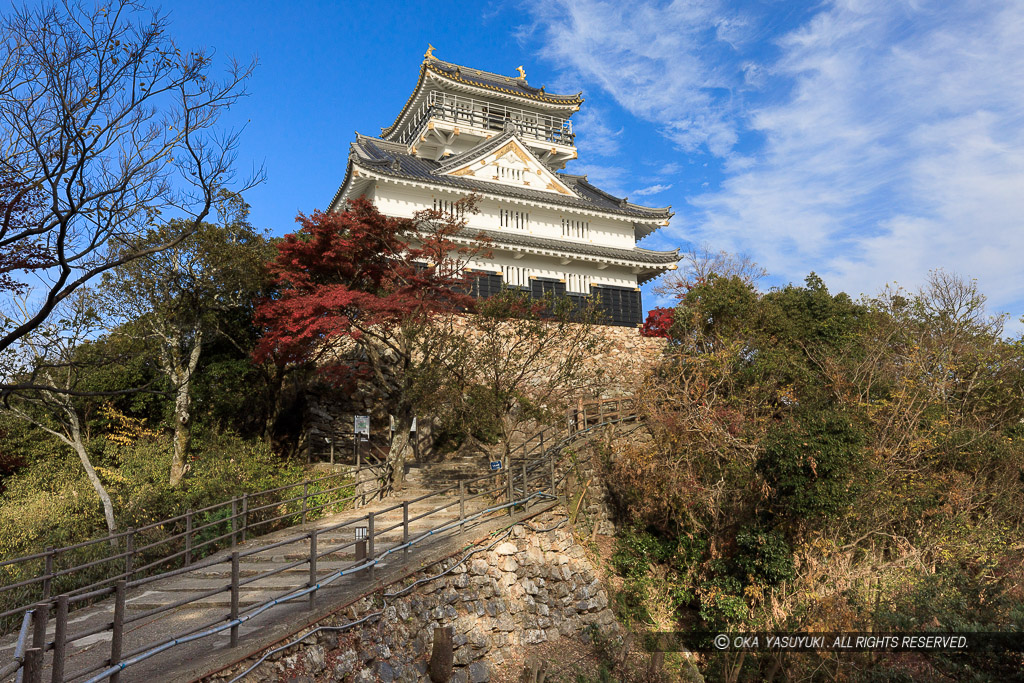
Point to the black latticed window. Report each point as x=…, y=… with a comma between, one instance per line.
x=620, y=304
x=483, y=284
x=540, y=287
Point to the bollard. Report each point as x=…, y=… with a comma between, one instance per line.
x=48, y=572
x=117, y=637
x=60, y=636
x=129, y=553
x=462, y=503
x=442, y=655
x=405, y=530
x=312, y=567
x=33, y=666
x=245, y=515
x=234, y=521
x=40, y=614
x=508, y=480
x=369, y=541
x=234, y=598
x=526, y=489
x=305, y=501
x=551, y=462
x=188, y=537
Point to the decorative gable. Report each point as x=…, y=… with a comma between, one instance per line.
x=511, y=163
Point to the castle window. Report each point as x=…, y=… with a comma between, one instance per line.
x=520, y=220
x=575, y=229
x=449, y=208
x=515, y=276
x=505, y=173
x=578, y=284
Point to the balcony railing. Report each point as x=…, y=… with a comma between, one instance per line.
x=491, y=116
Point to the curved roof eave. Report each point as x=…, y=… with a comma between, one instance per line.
x=644, y=259
x=341, y=189
x=538, y=94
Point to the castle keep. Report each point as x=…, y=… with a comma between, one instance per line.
x=466, y=131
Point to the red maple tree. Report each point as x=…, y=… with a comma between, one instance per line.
x=658, y=323
x=379, y=281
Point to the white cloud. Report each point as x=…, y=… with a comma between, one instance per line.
x=901, y=150
x=594, y=135
x=671, y=168
x=653, y=189
x=649, y=59
x=888, y=135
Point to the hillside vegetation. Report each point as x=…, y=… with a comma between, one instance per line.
x=821, y=464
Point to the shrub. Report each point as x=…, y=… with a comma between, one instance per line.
x=810, y=465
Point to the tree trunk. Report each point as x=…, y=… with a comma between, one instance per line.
x=442, y=655
x=90, y=472
x=655, y=667
x=182, y=405
x=275, y=384
x=401, y=445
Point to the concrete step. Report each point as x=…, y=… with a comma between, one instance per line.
x=155, y=599
x=192, y=584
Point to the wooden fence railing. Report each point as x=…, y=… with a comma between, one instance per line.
x=168, y=544
x=531, y=475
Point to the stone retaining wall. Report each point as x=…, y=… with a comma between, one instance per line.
x=624, y=359
x=531, y=587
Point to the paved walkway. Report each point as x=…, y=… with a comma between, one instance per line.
x=90, y=651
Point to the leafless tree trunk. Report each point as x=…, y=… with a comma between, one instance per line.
x=54, y=410
x=78, y=444
x=104, y=124
x=401, y=447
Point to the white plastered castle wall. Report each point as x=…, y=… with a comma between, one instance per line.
x=401, y=201
x=404, y=201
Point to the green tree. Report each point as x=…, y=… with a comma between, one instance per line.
x=524, y=361
x=843, y=463
x=57, y=398
x=179, y=296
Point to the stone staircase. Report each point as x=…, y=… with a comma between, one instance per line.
x=286, y=564
x=440, y=475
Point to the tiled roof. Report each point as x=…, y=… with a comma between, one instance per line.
x=456, y=160
x=492, y=81
x=520, y=239
x=390, y=159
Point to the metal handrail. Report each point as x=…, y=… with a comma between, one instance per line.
x=127, y=556
x=14, y=666
x=547, y=487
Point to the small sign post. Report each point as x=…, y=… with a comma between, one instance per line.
x=495, y=465
x=363, y=426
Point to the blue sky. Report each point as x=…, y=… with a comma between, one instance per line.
x=866, y=140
